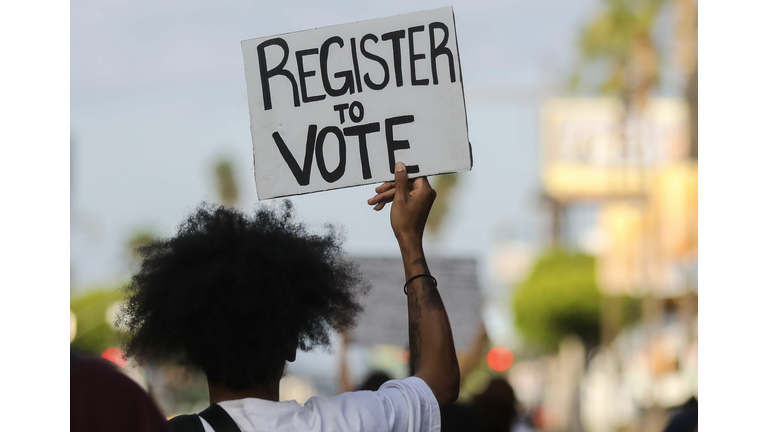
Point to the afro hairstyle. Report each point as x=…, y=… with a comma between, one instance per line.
x=233, y=294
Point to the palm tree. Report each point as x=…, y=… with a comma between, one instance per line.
x=225, y=181
x=619, y=39
x=444, y=185
x=686, y=56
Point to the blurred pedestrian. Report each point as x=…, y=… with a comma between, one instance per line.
x=461, y=417
x=373, y=380
x=685, y=418
x=498, y=406
x=237, y=295
x=103, y=398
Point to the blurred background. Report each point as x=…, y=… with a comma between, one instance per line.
x=567, y=257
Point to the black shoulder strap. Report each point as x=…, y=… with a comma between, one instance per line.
x=215, y=415
x=219, y=419
x=186, y=423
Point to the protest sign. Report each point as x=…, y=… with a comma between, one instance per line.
x=337, y=106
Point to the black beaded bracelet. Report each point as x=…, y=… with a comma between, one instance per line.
x=405, y=287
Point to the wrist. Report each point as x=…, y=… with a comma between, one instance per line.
x=409, y=240
x=411, y=249
x=413, y=260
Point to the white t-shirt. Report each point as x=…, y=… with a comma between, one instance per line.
x=398, y=406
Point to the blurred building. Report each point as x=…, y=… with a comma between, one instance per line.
x=593, y=150
x=636, y=167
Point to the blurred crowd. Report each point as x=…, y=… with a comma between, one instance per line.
x=104, y=397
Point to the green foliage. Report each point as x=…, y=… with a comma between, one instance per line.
x=619, y=37
x=559, y=297
x=613, y=32
x=94, y=333
x=225, y=181
x=631, y=310
x=444, y=185
x=139, y=239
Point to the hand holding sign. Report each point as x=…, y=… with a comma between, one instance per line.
x=410, y=207
x=384, y=194
x=337, y=106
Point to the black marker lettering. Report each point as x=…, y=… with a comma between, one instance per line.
x=347, y=75
x=304, y=74
x=340, y=108
x=371, y=85
x=277, y=70
x=360, y=112
x=301, y=174
x=414, y=57
x=361, y=131
x=395, y=37
x=394, y=145
x=439, y=50
x=354, y=64
x=336, y=174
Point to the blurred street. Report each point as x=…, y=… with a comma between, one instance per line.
x=567, y=258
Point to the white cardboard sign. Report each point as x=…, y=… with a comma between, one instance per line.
x=337, y=106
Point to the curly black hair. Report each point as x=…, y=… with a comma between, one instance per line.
x=232, y=294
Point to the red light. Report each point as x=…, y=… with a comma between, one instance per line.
x=500, y=358
x=115, y=355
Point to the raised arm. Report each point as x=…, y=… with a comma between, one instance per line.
x=433, y=355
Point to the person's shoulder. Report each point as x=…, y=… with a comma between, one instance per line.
x=412, y=383
x=409, y=391
x=397, y=403
x=95, y=372
x=411, y=388
x=185, y=423
x=102, y=397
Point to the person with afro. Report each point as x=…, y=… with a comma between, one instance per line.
x=236, y=296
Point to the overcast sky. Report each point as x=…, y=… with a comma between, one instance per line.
x=158, y=94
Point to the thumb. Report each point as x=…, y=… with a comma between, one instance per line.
x=401, y=181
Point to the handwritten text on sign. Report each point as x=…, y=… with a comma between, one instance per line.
x=338, y=106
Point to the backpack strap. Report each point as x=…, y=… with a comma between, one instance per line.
x=219, y=419
x=215, y=415
x=186, y=423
